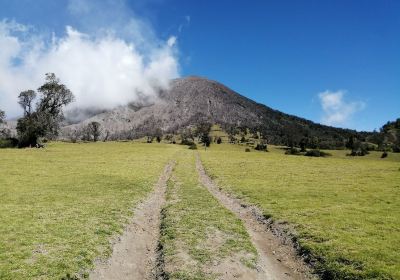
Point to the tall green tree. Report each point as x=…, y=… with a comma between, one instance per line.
x=25, y=99
x=45, y=120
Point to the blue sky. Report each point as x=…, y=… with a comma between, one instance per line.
x=335, y=62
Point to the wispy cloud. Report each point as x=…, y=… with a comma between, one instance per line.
x=337, y=110
x=104, y=65
x=184, y=24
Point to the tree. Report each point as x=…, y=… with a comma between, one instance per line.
x=54, y=95
x=202, y=131
x=85, y=133
x=350, y=144
x=45, y=120
x=2, y=116
x=202, y=128
x=4, y=131
x=314, y=143
x=205, y=139
x=187, y=137
x=303, y=144
x=158, y=134
x=95, y=130
x=107, y=135
x=25, y=99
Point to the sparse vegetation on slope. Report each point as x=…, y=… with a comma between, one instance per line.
x=191, y=101
x=344, y=211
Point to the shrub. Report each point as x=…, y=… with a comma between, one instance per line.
x=292, y=151
x=187, y=142
x=247, y=150
x=261, y=147
x=206, y=140
x=358, y=152
x=193, y=146
x=316, y=153
x=362, y=153
x=353, y=154
x=8, y=143
x=219, y=140
x=384, y=155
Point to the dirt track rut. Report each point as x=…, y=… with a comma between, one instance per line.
x=135, y=254
x=276, y=260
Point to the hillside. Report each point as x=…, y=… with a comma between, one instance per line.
x=192, y=100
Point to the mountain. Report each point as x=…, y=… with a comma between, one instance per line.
x=193, y=100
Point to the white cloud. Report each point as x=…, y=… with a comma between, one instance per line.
x=102, y=70
x=336, y=110
x=185, y=24
x=171, y=41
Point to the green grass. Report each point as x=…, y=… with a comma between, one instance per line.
x=60, y=206
x=345, y=211
x=197, y=231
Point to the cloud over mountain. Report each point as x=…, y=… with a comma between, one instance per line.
x=104, y=66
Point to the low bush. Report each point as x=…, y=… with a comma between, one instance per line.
x=187, y=142
x=362, y=153
x=261, y=147
x=292, y=151
x=193, y=146
x=316, y=153
x=9, y=143
x=359, y=152
x=247, y=150
x=384, y=155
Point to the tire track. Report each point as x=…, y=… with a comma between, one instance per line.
x=276, y=260
x=135, y=254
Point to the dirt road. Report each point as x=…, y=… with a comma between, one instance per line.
x=135, y=254
x=276, y=260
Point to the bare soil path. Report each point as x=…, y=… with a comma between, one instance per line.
x=135, y=254
x=276, y=260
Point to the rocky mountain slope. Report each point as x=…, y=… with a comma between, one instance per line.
x=192, y=100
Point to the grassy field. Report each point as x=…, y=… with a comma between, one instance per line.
x=345, y=211
x=59, y=206
x=198, y=234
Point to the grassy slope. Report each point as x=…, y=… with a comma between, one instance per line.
x=60, y=205
x=192, y=219
x=346, y=211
